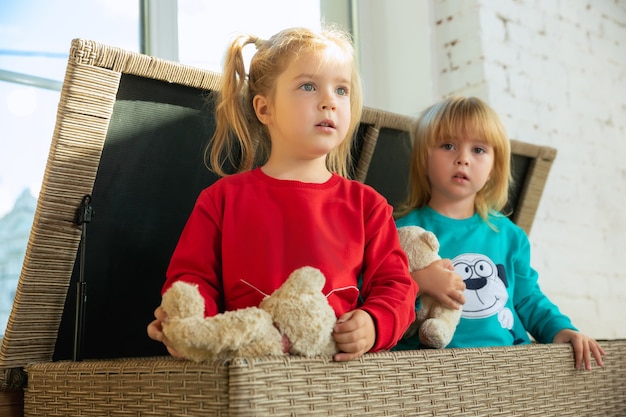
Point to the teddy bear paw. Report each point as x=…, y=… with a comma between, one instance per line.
x=434, y=333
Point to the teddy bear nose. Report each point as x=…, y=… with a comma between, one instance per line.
x=475, y=283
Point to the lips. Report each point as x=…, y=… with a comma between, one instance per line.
x=460, y=175
x=326, y=123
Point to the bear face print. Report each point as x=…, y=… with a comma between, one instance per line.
x=485, y=291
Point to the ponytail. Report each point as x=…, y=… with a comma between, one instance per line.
x=233, y=114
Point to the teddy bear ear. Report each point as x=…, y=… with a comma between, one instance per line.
x=431, y=240
x=306, y=277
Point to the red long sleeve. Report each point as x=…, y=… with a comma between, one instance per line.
x=248, y=232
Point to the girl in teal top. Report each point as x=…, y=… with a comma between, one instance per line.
x=459, y=181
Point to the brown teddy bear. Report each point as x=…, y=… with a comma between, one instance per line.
x=435, y=322
x=298, y=309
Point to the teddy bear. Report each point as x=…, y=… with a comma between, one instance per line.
x=298, y=309
x=434, y=321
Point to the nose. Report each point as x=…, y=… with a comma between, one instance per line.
x=327, y=101
x=462, y=158
x=475, y=283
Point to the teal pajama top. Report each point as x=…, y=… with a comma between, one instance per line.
x=504, y=303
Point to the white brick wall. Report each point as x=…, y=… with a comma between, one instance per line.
x=556, y=73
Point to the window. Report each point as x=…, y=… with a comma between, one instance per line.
x=206, y=27
x=34, y=46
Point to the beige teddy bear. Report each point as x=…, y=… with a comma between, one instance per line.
x=298, y=309
x=436, y=322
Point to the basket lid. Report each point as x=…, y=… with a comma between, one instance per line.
x=130, y=134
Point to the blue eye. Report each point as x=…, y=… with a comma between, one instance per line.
x=307, y=87
x=447, y=146
x=342, y=91
x=480, y=150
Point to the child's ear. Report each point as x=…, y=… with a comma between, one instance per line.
x=262, y=109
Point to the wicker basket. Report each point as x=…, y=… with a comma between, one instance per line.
x=531, y=380
x=130, y=133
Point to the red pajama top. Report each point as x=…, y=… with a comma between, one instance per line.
x=248, y=232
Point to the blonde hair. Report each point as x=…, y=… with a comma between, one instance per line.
x=240, y=139
x=451, y=118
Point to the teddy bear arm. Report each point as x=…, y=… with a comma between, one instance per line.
x=449, y=315
x=183, y=300
x=425, y=310
x=438, y=329
x=435, y=333
x=233, y=333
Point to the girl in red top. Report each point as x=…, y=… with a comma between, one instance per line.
x=292, y=120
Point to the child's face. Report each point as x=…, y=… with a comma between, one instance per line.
x=458, y=168
x=309, y=114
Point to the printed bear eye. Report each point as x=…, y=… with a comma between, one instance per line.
x=480, y=269
x=464, y=270
x=483, y=269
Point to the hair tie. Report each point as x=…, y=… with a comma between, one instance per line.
x=258, y=42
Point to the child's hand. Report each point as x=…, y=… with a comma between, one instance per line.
x=155, y=331
x=439, y=281
x=355, y=334
x=584, y=347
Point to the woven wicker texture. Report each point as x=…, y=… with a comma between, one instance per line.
x=53, y=242
x=147, y=387
x=535, y=380
x=541, y=159
x=94, y=54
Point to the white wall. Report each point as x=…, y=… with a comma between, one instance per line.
x=556, y=73
x=395, y=54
